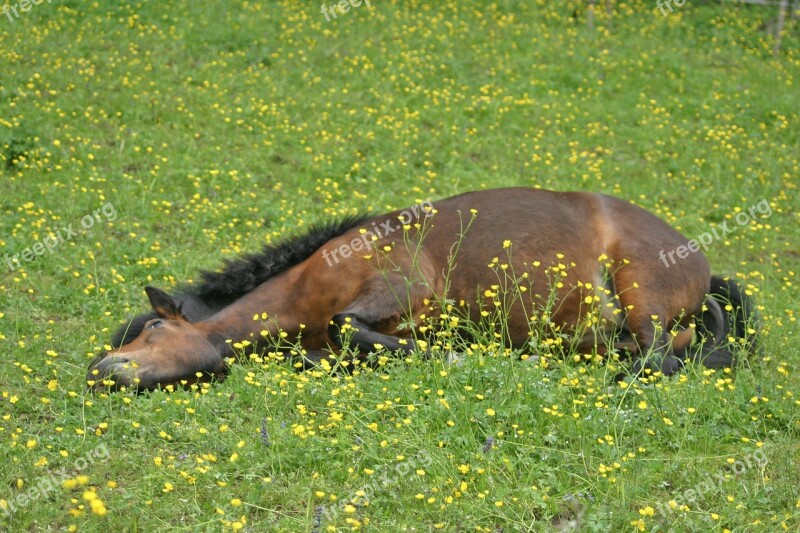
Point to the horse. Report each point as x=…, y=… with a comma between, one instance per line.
x=591, y=265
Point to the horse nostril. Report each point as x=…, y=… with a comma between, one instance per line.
x=111, y=372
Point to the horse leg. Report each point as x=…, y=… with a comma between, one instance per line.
x=652, y=341
x=655, y=352
x=371, y=321
x=364, y=338
x=637, y=335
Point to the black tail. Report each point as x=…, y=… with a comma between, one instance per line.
x=728, y=323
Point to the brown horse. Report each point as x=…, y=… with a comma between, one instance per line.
x=592, y=266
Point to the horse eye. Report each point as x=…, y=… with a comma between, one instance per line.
x=155, y=324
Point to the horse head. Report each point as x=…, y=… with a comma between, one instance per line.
x=168, y=350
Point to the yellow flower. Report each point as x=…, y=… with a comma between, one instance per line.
x=98, y=507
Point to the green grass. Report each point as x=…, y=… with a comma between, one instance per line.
x=212, y=128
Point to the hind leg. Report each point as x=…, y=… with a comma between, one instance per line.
x=655, y=299
x=647, y=321
x=654, y=344
x=719, y=358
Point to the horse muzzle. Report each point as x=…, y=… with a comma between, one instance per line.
x=111, y=372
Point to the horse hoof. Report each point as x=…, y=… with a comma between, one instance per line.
x=668, y=366
x=671, y=365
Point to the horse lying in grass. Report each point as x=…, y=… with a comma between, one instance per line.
x=591, y=264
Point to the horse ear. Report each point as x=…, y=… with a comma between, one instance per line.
x=164, y=304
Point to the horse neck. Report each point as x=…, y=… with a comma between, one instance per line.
x=244, y=318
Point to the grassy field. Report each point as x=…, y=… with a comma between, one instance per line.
x=158, y=138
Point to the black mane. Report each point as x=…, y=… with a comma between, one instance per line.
x=242, y=275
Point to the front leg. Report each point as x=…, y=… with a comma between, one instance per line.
x=379, y=308
x=365, y=339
